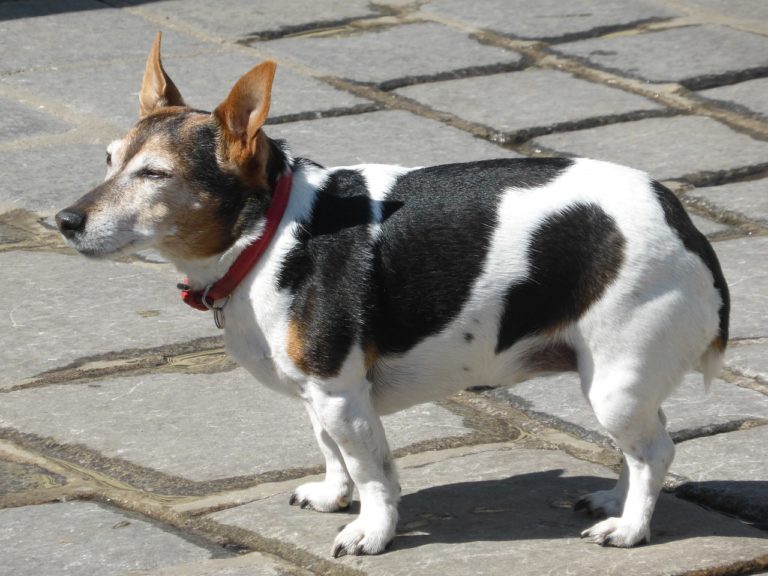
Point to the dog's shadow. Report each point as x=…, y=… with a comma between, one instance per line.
x=536, y=506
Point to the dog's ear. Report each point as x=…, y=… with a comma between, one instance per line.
x=157, y=89
x=245, y=110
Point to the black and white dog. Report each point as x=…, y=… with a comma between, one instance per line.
x=372, y=288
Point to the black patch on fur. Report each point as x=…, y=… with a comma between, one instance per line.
x=431, y=249
x=694, y=241
x=413, y=280
x=328, y=272
x=573, y=255
x=468, y=336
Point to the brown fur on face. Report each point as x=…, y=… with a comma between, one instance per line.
x=187, y=182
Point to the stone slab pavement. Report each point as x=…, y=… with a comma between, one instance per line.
x=131, y=444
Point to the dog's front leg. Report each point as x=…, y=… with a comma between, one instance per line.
x=335, y=491
x=346, y=413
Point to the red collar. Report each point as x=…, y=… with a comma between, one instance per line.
x=222, y=288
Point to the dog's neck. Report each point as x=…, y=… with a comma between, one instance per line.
x=203, y=272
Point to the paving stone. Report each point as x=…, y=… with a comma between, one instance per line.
x=391, y=137
x=393, y=53
x=85, y=538
x=204, y=80
x=549, y=19
x=744, y=267
x=481, y=510
x=728, y=471
x=15, y=477
x=245, y=17
x=49, y=178
x=252, y=564
x=708, y=227
x=748, y=199
x=18, y=120
x=749, y=94
x=42, y=35
x=60, y=308
x=749, y=358
x=527, y=99
x=750, y=10
x=666, y=147
x=239, y=427
x=676, y=54
x=559, y=399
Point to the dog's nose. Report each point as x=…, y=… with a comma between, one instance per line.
x=70, y=221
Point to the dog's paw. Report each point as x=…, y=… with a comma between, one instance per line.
x=322, y=496
x=366, y=536
x=614, y=532
x=603, y=504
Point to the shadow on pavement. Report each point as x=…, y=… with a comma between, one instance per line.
x=531, y=507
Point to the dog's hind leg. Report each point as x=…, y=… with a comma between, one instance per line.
x=346, y=414
x=626, y=403
x=335, y=491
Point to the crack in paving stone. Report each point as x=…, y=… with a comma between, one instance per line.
x=232, y=535
x=339, y=27
x=740, y=568
x=200, y=356
x=725, y=79
x=332, y=113
x=596, y=32
x=525, y=134
x=686, y=434
x=457, y=74
x=135, y=478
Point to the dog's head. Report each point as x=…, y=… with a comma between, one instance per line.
x=183, y=181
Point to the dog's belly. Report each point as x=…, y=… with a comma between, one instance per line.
x=450, y=362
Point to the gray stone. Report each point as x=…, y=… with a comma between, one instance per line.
x=559, y=399
x=749, y=359
x=550, y=19
x=18, y=120
x=16, y=477
x=49, y=178
x=196, y=426
x=482, y=510
x=85, y=538
x=674, y=55
x=527, y=99
x=747, y=199
x=403, y=51
x=727, y=471
x=237, y=18
x=708, y=227
x=750, y=94
x=744, y=267
x=60, y=308
x=748, y=10
x=252, y=564
x=203, y=79
x=88, y=32
x=666, y=147
x=391, y=137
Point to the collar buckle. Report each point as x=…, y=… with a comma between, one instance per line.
x=218, y=311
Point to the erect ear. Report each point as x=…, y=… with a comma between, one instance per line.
x=245, y=110
x=157, y=89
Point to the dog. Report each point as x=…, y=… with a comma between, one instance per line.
x=368, y=289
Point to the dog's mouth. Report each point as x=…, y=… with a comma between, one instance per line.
x=94, y=240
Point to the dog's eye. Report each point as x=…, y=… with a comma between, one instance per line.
x=109, y=159
x=153, y=174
